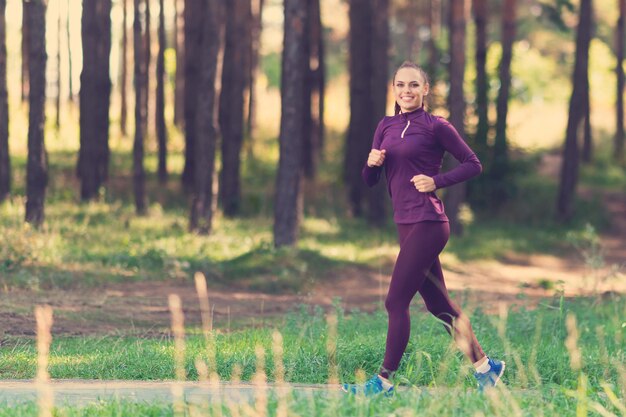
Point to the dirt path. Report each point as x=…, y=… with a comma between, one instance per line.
x=141, y=308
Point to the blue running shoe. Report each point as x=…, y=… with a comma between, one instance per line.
x=490, y=378
x=375, y=385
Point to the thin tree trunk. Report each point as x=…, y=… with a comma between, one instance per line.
x=256, y=28
x=160, y=98
x=95, y=92
x=57, y=119
x=620, y=33
x=455, y=195
x=231, y=103
x=37, y=164
x=5, y=160
x=434, y=19
x=179, y=44
x=481, y=16
x=571, y=153
x=148, y=63
x=70, y=83
x=587, y=153
x=25, y=43
x=139, y=173
x=314, y=129
x=124, y=77
x=500, y=165
x=211, y=47
x=288, y=179
x=193, y=41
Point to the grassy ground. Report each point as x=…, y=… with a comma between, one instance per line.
x=542, y=378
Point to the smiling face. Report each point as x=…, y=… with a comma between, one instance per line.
x=409, y=88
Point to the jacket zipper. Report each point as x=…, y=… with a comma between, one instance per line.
x=408, y=123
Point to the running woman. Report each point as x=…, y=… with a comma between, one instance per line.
x=410, y=147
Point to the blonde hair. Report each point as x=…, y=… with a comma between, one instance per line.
x=409, y=64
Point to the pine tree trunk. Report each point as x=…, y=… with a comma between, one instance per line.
x=193, y=41
x=481, y=16
x=124, y=76
x=587, y=153
x=5, y=160
x=37, y=164
x=314, y=125
x=147, y=45
x=288, y=179
x=211, y=46
x=139, y=173
x=95, y=91
x=231, y=104
x=70, y=82
x=25, y=43
x=571, y=153
x=256, y=27
x=160, y=98
x=455, y=195
x=620, y=33
x=179, y=43
x=57, y=119
x=500, y=165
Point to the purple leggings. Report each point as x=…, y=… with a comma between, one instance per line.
x=418, y=269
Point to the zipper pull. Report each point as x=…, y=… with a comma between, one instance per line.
x=408, y=123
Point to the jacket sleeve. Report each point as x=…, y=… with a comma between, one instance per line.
x=371, y=175
x=469, y=165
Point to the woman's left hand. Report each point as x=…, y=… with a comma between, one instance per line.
x=423, y=183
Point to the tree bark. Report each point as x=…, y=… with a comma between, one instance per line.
x=124, y=76
x=193, y=41
x=57, y=119
x=500, y=165
x=25, y=43
x=95, y=91
x=139, y=173
x=255, y=47
x=37, y=164
x=571, y=153
x=5, y=160
x=314, y=96
x=455, y=195
x=481, y=17
x=160, y=98
x=587, y=152
x=231, y=103
x=179, y=43
x=620, y=33
x=70, y=82
x=211, y=47
x=288, y=179
x=368, y=62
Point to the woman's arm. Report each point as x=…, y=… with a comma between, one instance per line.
x=371, y=175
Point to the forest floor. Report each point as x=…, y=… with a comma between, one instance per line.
x=141, y=308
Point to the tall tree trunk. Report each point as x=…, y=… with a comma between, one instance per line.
x=70, y=83
x=193, y=41
x=500, y=165
x=5, y=160
x=95, y=92
x=37, y=165
x=620, y=33
x=25, y=43
x=160, y=98
x=481, y=16
x=570, y=165
x=314, y=96
x=124, y=77
x=179, y=44
x=288, y=179
x=231, y=102
x=139, y=173
x=367, y=104
x=147, y=41
x=256, y=27
x=455, y=195
x=211, y=47
x=587, y=152
x=57, y=119
x=434, y=26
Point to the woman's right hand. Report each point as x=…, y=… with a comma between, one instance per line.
x=376, y=158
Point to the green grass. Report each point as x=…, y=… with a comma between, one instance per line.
x=540, y=379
